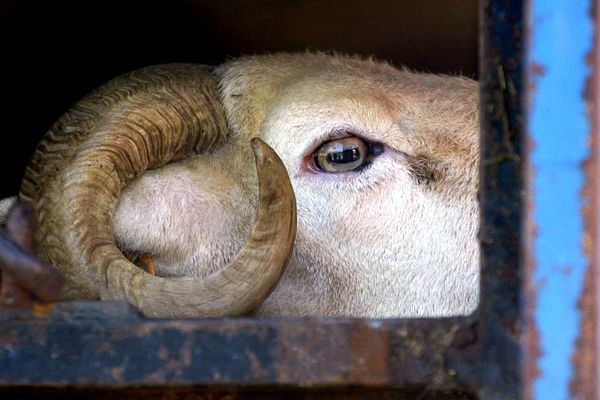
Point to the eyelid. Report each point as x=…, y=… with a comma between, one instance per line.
x=340, y=132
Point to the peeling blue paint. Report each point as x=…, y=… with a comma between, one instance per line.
x=561, y=38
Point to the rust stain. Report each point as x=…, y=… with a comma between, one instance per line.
x=258, y=370
x=531, y=337
x=174, y=367
x=117, y=373
x=157, y=376
x=163, y=353
x=585, y=384
x=537, y=69
x=355, y=351
x=105, y=347
x=186, y=353
x=370, y=348
x=42, y=309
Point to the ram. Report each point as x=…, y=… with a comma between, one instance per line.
x=383, y=164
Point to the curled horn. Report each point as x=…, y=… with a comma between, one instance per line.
x=136, y=122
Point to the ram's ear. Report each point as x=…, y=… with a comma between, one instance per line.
x=184, y=213
x=247, y=86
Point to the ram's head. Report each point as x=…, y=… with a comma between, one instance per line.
x=383, y=163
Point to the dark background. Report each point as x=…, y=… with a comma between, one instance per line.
x=54, y=52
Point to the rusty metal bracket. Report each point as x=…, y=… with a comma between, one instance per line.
x=110, y=345
x=92, y=349
x=501, y=197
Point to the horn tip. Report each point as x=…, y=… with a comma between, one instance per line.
x=264, y=154
x=260, y=149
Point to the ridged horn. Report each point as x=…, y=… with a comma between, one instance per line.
x=135, y=122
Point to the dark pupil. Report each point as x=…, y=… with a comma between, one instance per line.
x=344, y=156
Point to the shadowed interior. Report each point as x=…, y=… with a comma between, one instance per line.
x=43, y=67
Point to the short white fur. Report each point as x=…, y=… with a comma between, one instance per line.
x=373, y=243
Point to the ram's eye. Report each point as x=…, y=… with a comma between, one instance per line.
x=343, y=155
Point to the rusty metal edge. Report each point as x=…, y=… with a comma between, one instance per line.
x=245, y=393
x=445, y=356
x=530, y=335
x=501, y=197
x=556, y=260
x=108, y=345
x=585, y=382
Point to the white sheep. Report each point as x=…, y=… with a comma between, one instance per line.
x=383, y=163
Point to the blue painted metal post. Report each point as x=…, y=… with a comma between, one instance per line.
x=558, y=139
